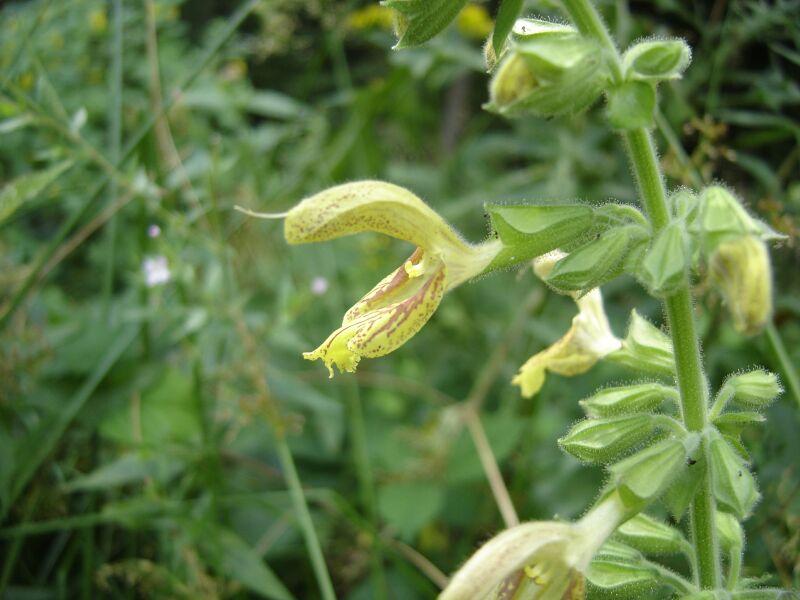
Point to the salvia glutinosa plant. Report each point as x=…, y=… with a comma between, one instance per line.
x=670, y=438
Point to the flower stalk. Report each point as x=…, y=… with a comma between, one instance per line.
x=678, y=307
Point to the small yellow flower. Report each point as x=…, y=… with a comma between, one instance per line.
x=741, y=270
x=395, y=309
x=98, y=20
x=537, y=560
x=588, y=340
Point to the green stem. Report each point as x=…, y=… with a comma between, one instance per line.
x=304, y=518
x=680, y=316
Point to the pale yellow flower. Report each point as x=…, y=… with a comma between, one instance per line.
x=537, y=560
x=395, y=309
x=588, y=340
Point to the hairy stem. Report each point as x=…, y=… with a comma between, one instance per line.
x=678, y=308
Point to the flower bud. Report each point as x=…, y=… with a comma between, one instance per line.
x=756, y=389
x=642, y=477
x=595, y=263
x=529, y=231
x=417, y=21
x=651, y=536
x=721, y=217
x=740, y=269
x=604, y=440
x=547, y=74
x=656, y=60
x=644, y=397
x=731, y=536
x=646, y=348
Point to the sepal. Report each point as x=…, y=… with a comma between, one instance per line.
x=734, y=486
x=606, y=439
x=631, y=105
x=645, y=348
x=666, y=262
x=597, y=262
x=651, y=536
x=642, y=477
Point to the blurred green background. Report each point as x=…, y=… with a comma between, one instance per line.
x=143, y=315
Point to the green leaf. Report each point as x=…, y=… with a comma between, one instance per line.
x=408, y=506
x=167, y=413
x=528, y=231
x=26, y=187
x=604, y=440
x=128, y=468
x=506, y=17
x=657, y=60
x=651, y=536
x=631, y=105
x=664, y=266
x=420, y=20
x=734, y=486
x=595, y=263
x=230, y=555
x=643, y=397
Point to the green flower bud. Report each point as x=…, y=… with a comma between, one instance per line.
x=665, y=264
x=730, y=532
x=756, y=389
x=642, y=477
x=604, y=440
x=734, y=486
x=651, y=536
x=646, y=348
x=619, y=578
x=733, y=423
x=644, y=397
x=547, y=74
x=528, y=231
x=720, y=217
x=417, y=21
x=740, y=269
x=595, y=263
x=656, y=60
x=631, y=105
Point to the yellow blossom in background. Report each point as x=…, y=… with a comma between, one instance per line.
x=474, y=22
x=234, y=70
x=587, y=341
x=371, y=16
x=98, y=20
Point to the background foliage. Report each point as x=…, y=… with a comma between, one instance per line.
x=136, y=453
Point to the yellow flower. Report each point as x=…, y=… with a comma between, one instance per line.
x=474, y=22
x=741, y=270
x=588, y=340
x=537, y=560
x=371, y=16
x=395, y=309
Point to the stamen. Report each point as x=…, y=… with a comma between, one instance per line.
x=260, y=215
